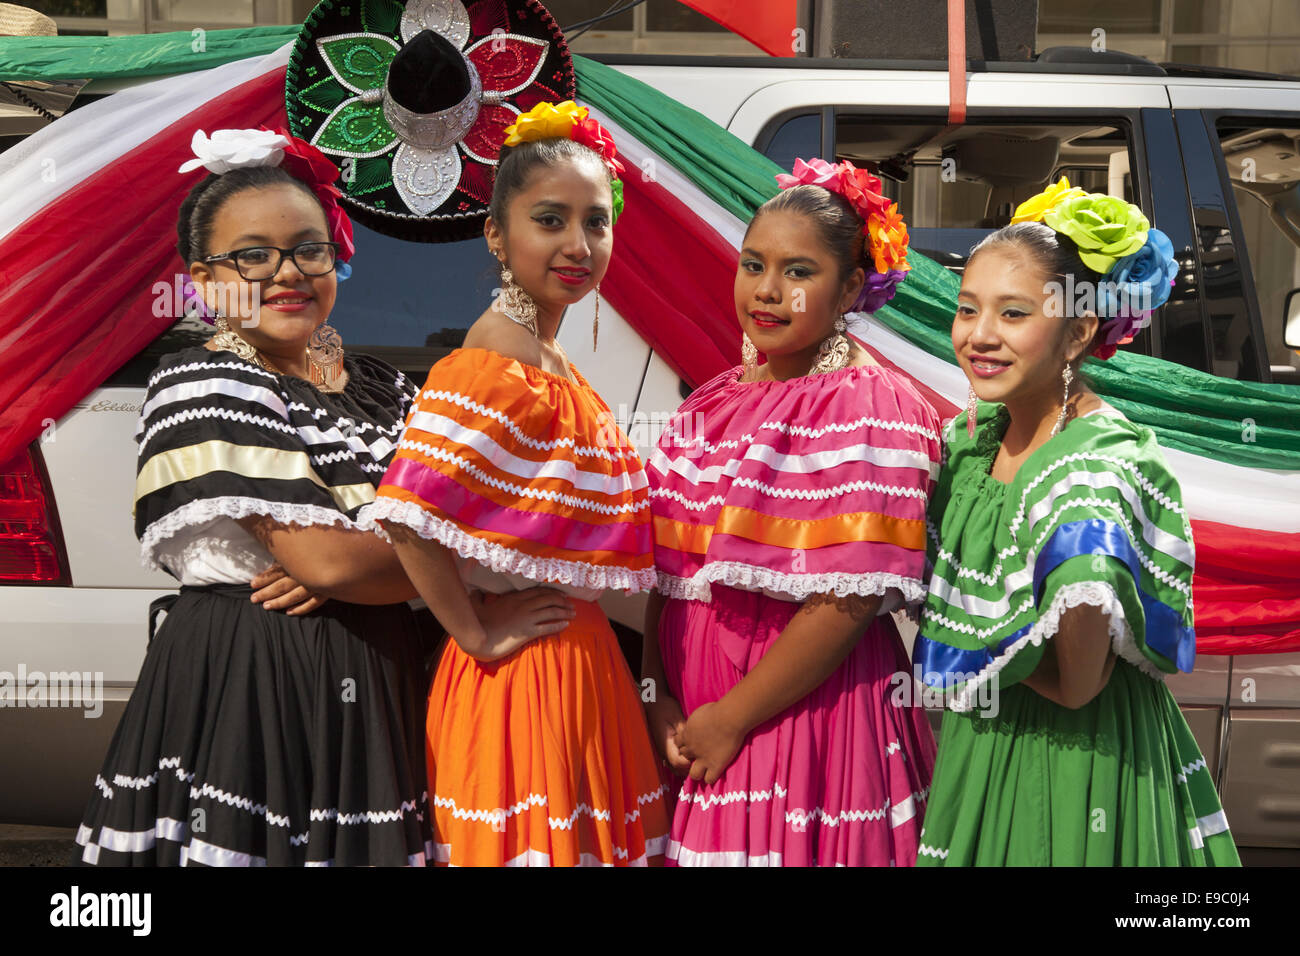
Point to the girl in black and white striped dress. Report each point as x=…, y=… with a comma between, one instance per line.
x=256, y=737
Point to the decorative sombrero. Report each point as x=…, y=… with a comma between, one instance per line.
x=412, y=101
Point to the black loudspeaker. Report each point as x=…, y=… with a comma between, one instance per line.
x=918, y=29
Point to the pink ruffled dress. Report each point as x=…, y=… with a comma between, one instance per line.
x=764, y=494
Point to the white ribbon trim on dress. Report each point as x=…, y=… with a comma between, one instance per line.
x=203, y=510
x=786, y=587
x=498, y=558
x=1095, y=593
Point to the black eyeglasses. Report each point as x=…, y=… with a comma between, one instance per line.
x=257, y=262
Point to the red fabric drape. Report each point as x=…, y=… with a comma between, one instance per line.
x=1246, y=590
x=77, y=279
x=672, y=282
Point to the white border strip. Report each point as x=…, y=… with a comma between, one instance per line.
x=58, y=157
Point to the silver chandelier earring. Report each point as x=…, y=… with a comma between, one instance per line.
x=1067, y=376
x=595, y=325
x=748, y=353
x=833, y=354
x=972, y=410
x=517, y=304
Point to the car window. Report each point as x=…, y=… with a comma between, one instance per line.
x=1262, y=162
x=957, y=186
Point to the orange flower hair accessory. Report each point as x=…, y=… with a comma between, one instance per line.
x=884, y=232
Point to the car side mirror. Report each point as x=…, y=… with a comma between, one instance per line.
x=1291, y=319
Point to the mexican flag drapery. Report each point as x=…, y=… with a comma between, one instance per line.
x=87, y=220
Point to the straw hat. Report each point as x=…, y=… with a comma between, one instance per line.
x=16, y=21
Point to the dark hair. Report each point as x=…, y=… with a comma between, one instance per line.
x=1055, y=254
x=516, y=165
x=194, y=225
x=838, y=224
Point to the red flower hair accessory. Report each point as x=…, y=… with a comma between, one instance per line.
x=884, y=232
x=306, y=163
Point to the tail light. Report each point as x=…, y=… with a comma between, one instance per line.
x=31, y=544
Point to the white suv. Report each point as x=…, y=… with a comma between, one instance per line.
x=1173, y=140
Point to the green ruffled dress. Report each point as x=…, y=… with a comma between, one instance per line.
x=1094, y=517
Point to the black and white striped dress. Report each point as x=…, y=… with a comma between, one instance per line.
x=253, y=738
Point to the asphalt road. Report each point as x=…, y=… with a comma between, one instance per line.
x=36, y=846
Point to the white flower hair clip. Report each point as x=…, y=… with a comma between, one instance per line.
x=229, y=149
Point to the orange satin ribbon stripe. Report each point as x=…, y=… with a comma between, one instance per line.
x=792, y=532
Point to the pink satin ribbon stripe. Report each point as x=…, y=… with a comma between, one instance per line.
x=441, y=494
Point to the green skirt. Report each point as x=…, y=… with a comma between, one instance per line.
x=1119, y=782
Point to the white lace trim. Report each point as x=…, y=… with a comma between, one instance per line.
x=203, y=510
x=790, y=587
x=1095, y=593
x=498, y=558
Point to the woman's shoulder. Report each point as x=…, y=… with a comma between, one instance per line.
x=1105, y=439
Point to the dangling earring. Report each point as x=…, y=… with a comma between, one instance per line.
x=748, y=353
x=325, y=359
x=227, y=339
x=972, y=411
x=1067, y=376
x=517, y=304
x=834, y=352
x=595, y=325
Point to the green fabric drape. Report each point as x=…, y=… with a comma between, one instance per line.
x=53, y=59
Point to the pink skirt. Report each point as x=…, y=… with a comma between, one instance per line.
x=838, y=779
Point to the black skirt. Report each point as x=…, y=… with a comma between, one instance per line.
x=253, y=738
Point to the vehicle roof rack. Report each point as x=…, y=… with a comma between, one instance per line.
x=1082, y=55
x=1223, y=72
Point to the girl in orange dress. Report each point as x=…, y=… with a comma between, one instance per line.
x=511, y=474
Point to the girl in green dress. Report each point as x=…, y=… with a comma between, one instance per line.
x=1062, y=568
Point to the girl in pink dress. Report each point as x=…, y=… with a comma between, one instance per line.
x=789, y=512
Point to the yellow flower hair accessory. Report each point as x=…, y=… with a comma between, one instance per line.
x=545, y=121
x=1035, y=207
x=568, y=120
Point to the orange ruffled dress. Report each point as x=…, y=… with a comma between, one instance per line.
x=542, y=758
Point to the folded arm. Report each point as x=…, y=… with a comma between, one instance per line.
x=334, y=562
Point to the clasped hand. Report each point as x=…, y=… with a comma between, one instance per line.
x=710, y=740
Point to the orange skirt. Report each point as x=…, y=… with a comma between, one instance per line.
x=543, y=758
